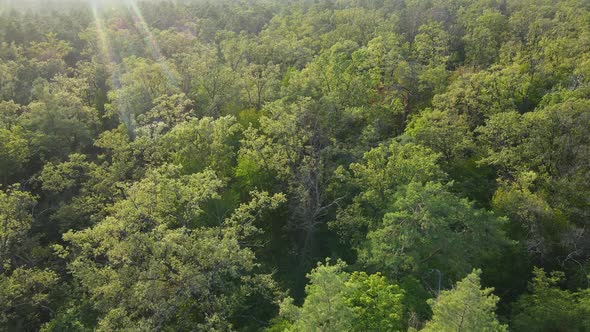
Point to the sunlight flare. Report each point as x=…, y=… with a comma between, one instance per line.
x=150, y=41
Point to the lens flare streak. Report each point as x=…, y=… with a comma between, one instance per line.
x=151, y=42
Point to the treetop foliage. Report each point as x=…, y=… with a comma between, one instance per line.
x=185, y=165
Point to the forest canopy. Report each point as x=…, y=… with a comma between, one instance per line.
x=309, y=165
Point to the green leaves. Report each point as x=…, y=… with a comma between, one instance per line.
x=24, y=290
x=202, y=143
x=15, y=222
x=430, y=228
x=141, y=84
x=391, y=165
x=14, y=152
x=338, y=301
x=325, y=307
x=151, y=263
x=549, y=308
x=377, y=304
x=59, y=121
x=445, y=132
x=24, y=295
x=190, y=162
x=467, y=307
x=484, y=37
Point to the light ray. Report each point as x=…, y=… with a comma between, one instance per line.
x=104, y=45
x=151, y=42
x=109, y=58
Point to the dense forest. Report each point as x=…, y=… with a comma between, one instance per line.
x=295, y=165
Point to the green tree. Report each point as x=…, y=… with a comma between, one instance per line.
x=536, y=149
x=59, y=119
x=24, y=297
x=466, y=307
x=24, y=290
x=15, y=223
x=150, y=264
x=141, y=84
x=259, y=84
x=549, y=308
x=484, y=37
x=377, y=304
x=206, y=80
x=339, y=301
x=14, y=145
x=204, y=143
x=432, y=48
x=325, y=307
x=49, y=56
x=78, y=191
x=445, y=132
x=292, y=148
x=168, y=111
x=427, y=227
x=375, y=180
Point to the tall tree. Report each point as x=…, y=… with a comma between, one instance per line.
x=467, y=307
